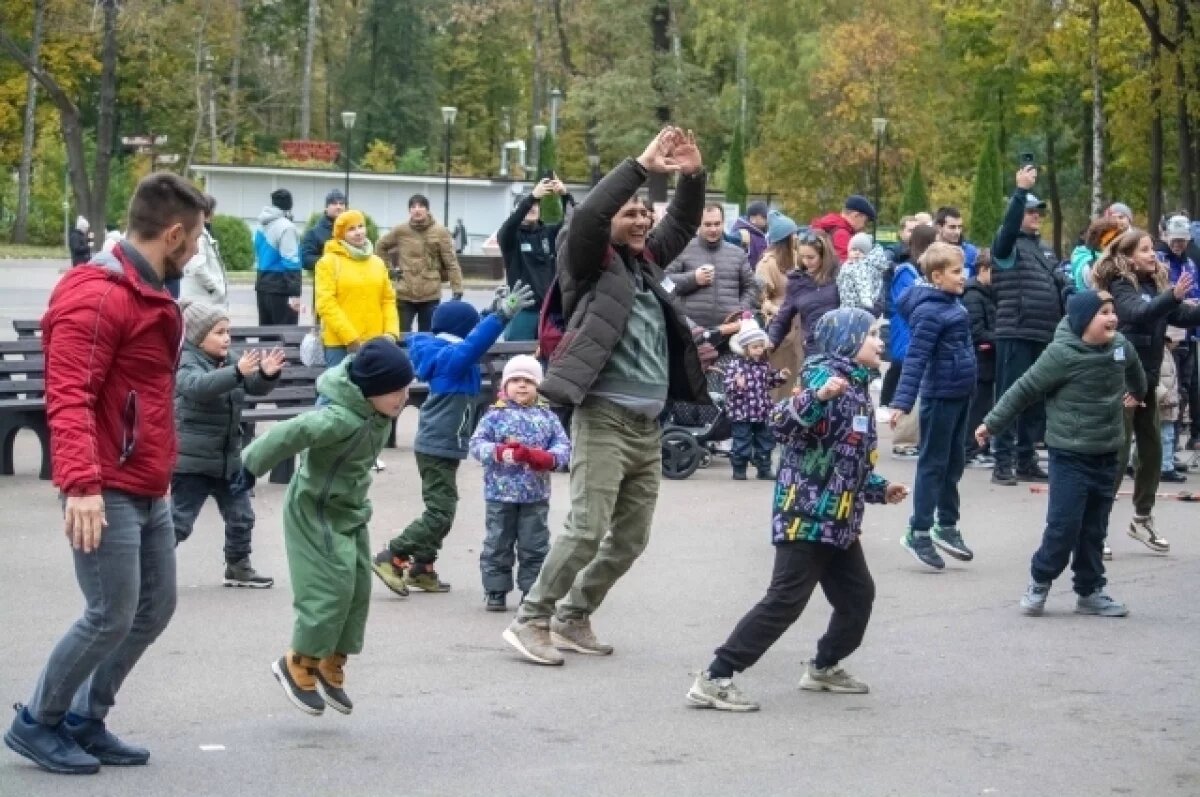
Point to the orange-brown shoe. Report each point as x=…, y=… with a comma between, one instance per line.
x=297, y=675
x=331, y=677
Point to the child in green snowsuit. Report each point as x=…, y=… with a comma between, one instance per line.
x=325, y=516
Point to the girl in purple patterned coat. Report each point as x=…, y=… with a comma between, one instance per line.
x=519, y=441
x=825, y=478
x=749, y=379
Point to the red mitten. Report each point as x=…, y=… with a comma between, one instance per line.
x=520, y=452
x=539, y=459
x=506, y=448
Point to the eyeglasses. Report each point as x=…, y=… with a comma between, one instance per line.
x=812, y=239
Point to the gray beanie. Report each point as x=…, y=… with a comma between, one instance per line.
x=199, y=319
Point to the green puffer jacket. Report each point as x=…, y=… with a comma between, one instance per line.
x=340, y=442
x=1083, y=386
x=209, y=399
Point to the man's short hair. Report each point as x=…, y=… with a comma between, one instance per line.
x=716, y=207
x=948, y=212
x=418, y=199
x=906, y=220
x=939, y=257
x=757, y=208
x=162, y=199
x=212, y=204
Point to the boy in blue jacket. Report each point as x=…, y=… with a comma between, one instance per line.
x=941, y=364
x=447, y=359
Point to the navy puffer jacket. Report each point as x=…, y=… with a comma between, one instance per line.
x=941, y=359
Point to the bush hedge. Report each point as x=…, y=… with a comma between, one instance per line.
x=237, y=245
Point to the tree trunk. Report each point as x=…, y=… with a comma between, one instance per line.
x=98, y=207
x=20, y=232
x=1056, y=211
x=235, y=74
x=1187, y=188
x=535, y=106
x=1155, y=199
x=306, y=78
x=660, y=29
x=1097, y=109
x=196, y=79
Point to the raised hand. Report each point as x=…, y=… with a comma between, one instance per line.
x=1027, y=177
x=272, y=364
x=543, y=187
x=249, y=361
x=835, y=387
x=657, y=156
x=1184, y=285
x=686, y=154
x=519, y=298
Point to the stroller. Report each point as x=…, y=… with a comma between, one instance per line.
x=691, y=432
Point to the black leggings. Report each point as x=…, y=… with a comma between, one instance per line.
x=891, y=379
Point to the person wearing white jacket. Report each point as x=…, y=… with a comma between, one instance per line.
x=204, y=277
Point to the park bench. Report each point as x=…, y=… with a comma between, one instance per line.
x=22, y=387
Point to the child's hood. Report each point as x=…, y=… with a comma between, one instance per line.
x=975, y=286
x=336, y=386
x=840, y=366
x=424, y=349
x=919, y=294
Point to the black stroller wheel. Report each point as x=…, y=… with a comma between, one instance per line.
x=681, y=454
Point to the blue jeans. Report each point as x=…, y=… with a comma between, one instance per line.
x=1168, y=446
x=189, y=491
x=941, y=462
x=1082, y=487
x=515, y=532
x=752, y=442
x=129, y=586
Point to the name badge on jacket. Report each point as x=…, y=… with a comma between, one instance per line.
x=1119, y=354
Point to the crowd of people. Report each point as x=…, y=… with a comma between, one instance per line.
x=632, y=308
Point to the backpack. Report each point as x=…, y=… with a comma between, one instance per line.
x=552, y=322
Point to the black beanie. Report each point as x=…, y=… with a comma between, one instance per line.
x=1082, y=308
x=380, y=367
x=282, y=198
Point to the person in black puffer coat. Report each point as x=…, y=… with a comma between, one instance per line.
x=1146, y=304
x=980, y=301
x=527, y=245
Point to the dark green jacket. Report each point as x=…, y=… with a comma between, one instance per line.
x=598, y=287
x=209, y=398
x=1083, y=387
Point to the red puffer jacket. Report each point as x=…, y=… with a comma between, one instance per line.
x=112, y=344
x=839, y=231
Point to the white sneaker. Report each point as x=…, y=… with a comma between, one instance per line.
x=379, y=465
x=1142, y=530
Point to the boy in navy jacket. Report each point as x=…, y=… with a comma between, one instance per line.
x=941, y=364
x=447, y=359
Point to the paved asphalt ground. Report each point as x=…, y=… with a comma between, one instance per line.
x=968, y=696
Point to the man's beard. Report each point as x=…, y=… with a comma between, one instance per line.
x=174, y=262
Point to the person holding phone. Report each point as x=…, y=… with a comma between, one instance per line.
x=1029, y=306
x=527, y=246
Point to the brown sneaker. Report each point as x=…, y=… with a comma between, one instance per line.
x=297, y=675
x=575, y=633
x=531, y=638
x=331, y=677
x=422, y=576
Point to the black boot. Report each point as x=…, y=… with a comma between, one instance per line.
x=1032, y=473
x=1002, y=474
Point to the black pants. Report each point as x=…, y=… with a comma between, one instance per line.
x=421, y=311
x=799, y=568
x=1189, y=384
x=1015, y=446
x=274, y=309
x=752, y=442
x=891, y=380
x=189, y=491
x=1080, y=500
x=981, y=404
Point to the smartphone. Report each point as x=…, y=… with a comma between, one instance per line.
x=1027, y=159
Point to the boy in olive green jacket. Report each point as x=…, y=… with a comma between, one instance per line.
x=1088, y=375
x=325, y=516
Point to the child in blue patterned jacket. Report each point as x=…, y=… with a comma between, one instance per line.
x=519, y=441
x=826, y=476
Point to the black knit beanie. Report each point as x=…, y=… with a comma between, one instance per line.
x=380, y=367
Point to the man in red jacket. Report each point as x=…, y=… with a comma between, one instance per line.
x=856, y=213
x=111, y=337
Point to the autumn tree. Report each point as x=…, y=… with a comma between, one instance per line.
x=735, y=180
x=916, y=198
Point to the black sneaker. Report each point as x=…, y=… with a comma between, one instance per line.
x=766, y=476
x=241, y=574
x=48, y=746
x=1173, y=476
x=920, y=545
x=98, y=741
x=496, y=602
x=1032, y=473
x=739, y=475
x=950, y=540
x=1003, y=475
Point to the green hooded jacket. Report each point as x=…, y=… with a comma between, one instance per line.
x=339, y=443
x=1083, y=386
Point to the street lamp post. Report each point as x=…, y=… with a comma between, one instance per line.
x=879, y=123
x=348, y=120
x=449, y=112
x=555, y=101
x=593, y=160
x=539, y=135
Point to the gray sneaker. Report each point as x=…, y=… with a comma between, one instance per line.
x=831, y=679
x=532, y=640
x=719, y=693
x=241, y=574
x=1099, y=603
x=1142, y=529
x=575, y=633
x=1033, y=602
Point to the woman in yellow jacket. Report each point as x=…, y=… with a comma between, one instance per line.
x=355, y=298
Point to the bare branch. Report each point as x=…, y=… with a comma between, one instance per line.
x=1153, y=25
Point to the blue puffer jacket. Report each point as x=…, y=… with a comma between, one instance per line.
x=898, y=335
x=940, y=360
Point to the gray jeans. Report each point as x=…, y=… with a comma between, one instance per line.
x=514, y=532
x=129, y=585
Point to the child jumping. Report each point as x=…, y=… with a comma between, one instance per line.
x=826, y=476
x=325, y=516
x=519, y=441
x=749, y=379
x=210, y=393
x=1089, y=375
x=448, y=360
x=940, y=363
